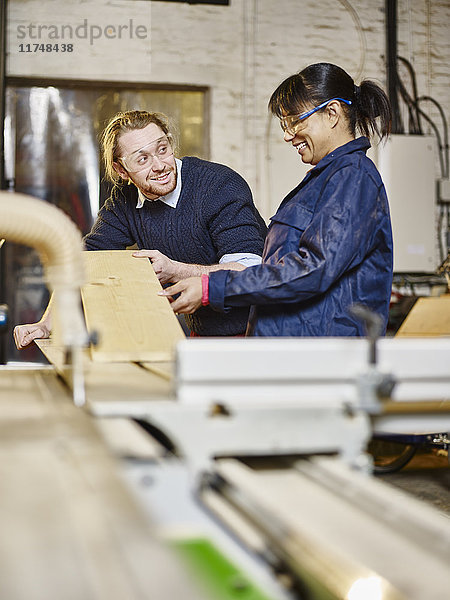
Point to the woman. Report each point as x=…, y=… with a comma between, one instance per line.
x=329, y=245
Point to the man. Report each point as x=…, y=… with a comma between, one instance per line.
x=188, y=216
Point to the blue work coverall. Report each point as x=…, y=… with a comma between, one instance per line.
x=328, y=246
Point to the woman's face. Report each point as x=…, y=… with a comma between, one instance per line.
x=315, y=136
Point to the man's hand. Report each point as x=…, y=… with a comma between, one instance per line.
x=164, y=267
x=171, y=271
x=190, y=298
x=25, y=334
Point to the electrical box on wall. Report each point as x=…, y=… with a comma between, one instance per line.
x=407, y=164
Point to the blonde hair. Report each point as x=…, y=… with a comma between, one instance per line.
x=121, y=123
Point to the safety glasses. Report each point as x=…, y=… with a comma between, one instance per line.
x=291, y=123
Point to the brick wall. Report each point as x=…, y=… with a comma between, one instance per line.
x=241, y=52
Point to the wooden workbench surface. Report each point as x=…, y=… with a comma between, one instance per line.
x=70, y=529
x=429, y=317
x=113, y=387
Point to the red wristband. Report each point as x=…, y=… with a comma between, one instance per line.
x=205, y=290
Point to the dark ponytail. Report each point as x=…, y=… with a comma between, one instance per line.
x=371, y=104
x=322, y=81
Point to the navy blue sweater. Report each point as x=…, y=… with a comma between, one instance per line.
x=214, y=216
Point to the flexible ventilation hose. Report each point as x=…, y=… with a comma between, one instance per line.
x=37, y=223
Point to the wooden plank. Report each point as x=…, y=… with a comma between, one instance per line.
x=121, y=304
x=429, y=317
x=120, y=384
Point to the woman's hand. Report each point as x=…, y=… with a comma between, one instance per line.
x=190, y=298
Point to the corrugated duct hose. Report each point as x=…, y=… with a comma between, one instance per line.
x=41, y=225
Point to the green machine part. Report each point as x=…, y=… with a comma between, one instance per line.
x=220, y=579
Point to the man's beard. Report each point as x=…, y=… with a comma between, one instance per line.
x=152, y=188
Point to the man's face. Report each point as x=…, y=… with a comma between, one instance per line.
x=159, y=177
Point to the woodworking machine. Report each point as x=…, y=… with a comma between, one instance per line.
x=270, y=436
x=241, y=462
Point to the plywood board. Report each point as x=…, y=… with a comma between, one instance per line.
x=122, y=305
x=428, y=317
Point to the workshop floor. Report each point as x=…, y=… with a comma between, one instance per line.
x=426, y=476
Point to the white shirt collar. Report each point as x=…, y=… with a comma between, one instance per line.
x=170, y=199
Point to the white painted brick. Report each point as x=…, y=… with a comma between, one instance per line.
x=242, y=52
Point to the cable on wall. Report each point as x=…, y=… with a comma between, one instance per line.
x=415, y=125
x=362, y=38
x=391, y=64
x=445, y=149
